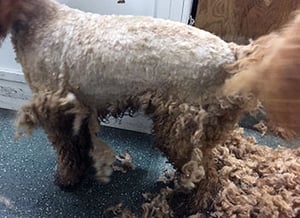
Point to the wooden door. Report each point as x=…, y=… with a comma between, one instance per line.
x=240, y=20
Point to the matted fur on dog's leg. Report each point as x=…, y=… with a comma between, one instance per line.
x=72, y=129
x=71, y=138
x=102, y=155
x=174, y=124
x=187, y=132
x=66, y=122
x=73, y=152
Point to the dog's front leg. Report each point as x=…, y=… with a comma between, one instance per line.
x=66, y=124
x=72, y=151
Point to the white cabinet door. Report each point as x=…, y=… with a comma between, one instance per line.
x=177, y=10
x=131, y=7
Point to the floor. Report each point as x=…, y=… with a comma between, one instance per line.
x=27, y=167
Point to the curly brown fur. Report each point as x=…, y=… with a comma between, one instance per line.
x=72, y=132
x=250, y=180
x=243, y=179
x=274, y=76
x=120, y=211
x=186, y=132
x=102, y=154
x=55, y=116
x=187, y=125
x=157, y=205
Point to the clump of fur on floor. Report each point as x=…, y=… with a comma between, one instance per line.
x=243, y=179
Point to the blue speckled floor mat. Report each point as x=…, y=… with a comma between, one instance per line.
x=27, y=167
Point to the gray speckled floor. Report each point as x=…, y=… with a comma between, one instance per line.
x=27, y=167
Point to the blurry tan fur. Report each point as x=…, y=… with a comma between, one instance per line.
x=271, y=72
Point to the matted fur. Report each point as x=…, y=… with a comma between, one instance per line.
x=243, y=179
x=250, y=180
x=186, y=132
x=72, y=128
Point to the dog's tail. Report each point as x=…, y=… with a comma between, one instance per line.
x=272, y=73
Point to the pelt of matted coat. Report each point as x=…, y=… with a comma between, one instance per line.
x=83, y=66
x=243, y=179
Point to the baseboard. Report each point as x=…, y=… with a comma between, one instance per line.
x=14, y=92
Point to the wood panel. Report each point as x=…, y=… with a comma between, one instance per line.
x=239, y=20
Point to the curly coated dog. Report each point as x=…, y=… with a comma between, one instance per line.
x=82, y=67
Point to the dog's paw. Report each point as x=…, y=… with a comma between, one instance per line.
x=66, y=184
x=68, y=178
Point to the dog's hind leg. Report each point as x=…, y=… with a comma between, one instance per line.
x=187, y=132
x=174, y=126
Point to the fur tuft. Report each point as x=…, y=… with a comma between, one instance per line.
x=274, y=75
x=245, y=77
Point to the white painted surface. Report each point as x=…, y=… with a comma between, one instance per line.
x=13, y=89
x=131, y=7
x=186, y=10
